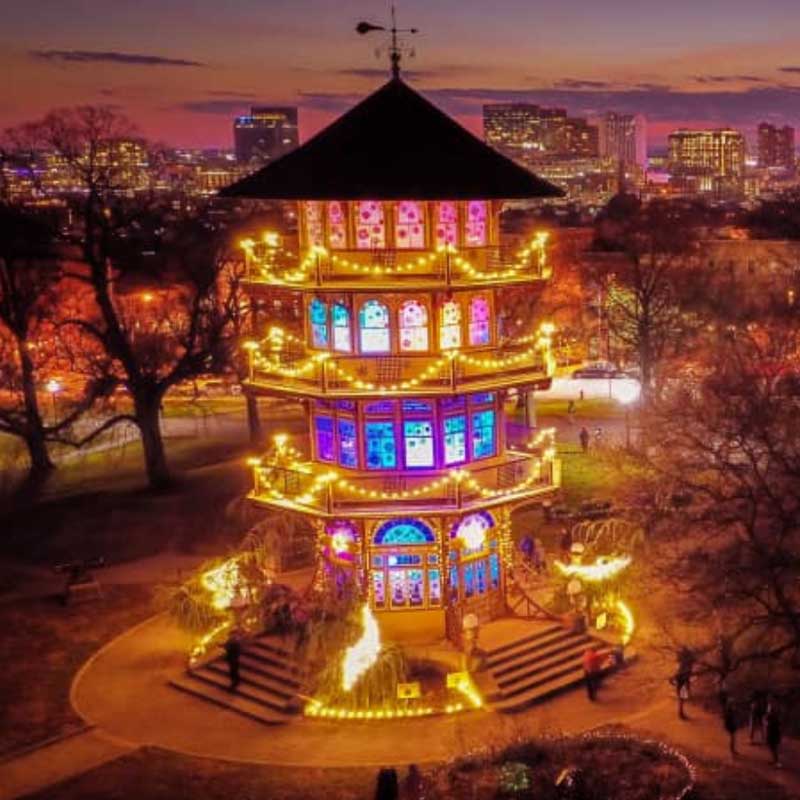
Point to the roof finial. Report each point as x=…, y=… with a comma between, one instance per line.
x=397, y=47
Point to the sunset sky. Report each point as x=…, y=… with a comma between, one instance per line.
x=181, y=69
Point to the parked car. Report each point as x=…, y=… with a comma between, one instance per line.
x=598, y=369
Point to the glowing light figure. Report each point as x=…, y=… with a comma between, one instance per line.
x=628, y=622
x=223, y=583
x=364, y=653
x=603, y=569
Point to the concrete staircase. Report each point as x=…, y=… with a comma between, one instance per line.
x=536, y=666
x=270, y=682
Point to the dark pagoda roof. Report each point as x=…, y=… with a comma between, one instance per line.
x=393, y=145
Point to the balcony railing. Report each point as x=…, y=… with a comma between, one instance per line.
x=329, y=374
x=310, y=487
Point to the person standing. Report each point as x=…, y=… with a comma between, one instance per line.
x=565, y=545
x=681, y=683
x=233, y=653
x=584, y=438
x=731, y=724
x=590, y=671
x=387, y=786
x=758, y=710
x=774, y=733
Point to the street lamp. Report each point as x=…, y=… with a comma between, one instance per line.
x=627, y=393
x=53, y=386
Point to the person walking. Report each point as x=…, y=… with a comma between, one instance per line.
x=387, y=786
x=565, y=544
x=233, y=653
x=758, y=711
x=731, y=724
x=590, y=671
x=774, y=734
x=414, y=784
x=681, y=683
x=526, y=547
x=584, y=438
x=571, y=412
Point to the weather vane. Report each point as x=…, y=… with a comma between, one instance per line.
x=397, y=46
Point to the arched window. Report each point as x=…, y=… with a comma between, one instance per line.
x=475, y=229
x=409, y=229
x=370, y=226
x=473, y=531
x=318, y=317
x=342, y=335
x=404, y=531
x=450, y=327
x=373, y=323
x=413, y=326
x=342, y=540
x=479, y=320
x=315, y=229
x=446, y=223
x=337, y=225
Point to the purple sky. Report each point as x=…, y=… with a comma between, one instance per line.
x=182, y=69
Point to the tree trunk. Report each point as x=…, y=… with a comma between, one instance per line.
x=254, y=420
x=147, y=407
x=41, y=463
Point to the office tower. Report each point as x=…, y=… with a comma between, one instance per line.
x=623, y=137
x=776, y=146
x=709, y=161
x=265, y=134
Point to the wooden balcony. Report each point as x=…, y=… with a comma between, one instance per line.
x=314, y=489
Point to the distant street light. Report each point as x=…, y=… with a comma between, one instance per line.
x=53, y=386
x=627, y=393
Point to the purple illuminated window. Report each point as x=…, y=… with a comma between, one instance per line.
x=475, y=229
x=325, y=443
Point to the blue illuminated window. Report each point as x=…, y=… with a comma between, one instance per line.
x=483, y=440
x=455, y=439
x=348, y=449
x=452, y=403
x=342, y=337
x=325, y=444
x=417, y=406
x=374, y=327
x=380, y=407
x=481, y=398
x=381, y=451
x=318, y=315
x=404, y=531
x=494, y=570
x=418, y=437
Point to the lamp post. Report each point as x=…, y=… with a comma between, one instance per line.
x=53, y=386
x=627, y=394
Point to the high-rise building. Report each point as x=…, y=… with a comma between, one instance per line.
x=776, y=146
x=265, y=134
x=532, y=134
x=709, y=161
x=623, y=137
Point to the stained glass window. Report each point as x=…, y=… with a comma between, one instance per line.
x=381, y=453
x=409, y=226
x=413, y=326
x=479, y=398
x=434, y=587
x=417, y=406
x=473, y=531
x=315, y=229
x=418, y=436
x=446, y=223
x=450, y=329
x=325, y=448
x=451, y=403
x=475, y=229
x=343, y=536
x=480, y=576
x=370, y=227
x=342, y=337
x=483, y=441
x=348, y=446
x=318, y=315
x=374, y=327
x=479, y=321
x=380, y=407
x=455, y=439
x=404, y=531
x=378, y=588
x=494, y=570
x=337, y=225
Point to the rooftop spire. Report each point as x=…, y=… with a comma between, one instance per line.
x=397, y=47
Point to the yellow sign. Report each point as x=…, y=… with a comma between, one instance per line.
x=601, y=621
x=408, y=691
x=457, y=679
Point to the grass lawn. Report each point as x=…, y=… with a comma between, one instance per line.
x=44, y=644
x=594, y=408
x=586, y=476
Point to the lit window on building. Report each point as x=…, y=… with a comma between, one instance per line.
x=342, y=537
x=315, y=226
x=325, y=439
x=373, y=324
x=475, y=228
x=413, y=327
x=483, y=434
x=450, y=328
x=446, y=223
x=385, y=407
x=337, y=225
x=318, y=316
x=455, y=439
x=380, y=445
x=479, y=321
x=342, y=335
x=409, y=226
x=404, y=531
x=348, y=444
x=418, y=438
x=370, y=226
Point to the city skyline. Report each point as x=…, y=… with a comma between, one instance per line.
x=183, y=79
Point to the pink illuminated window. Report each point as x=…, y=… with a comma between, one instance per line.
x=446, y=223
x=410, y=226
x=450, y=328
x=337, y=225
x=413, y=326
x=475, y=230
x=370, y=226
x=315, y=228
x=479, y=320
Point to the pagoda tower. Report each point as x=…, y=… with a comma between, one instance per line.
x=403, y=359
